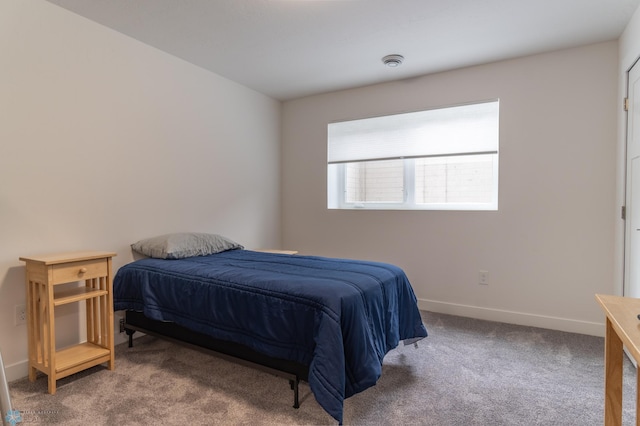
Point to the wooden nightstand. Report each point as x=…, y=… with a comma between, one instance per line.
x=44, y=273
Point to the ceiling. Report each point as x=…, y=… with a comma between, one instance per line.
x=293, y=48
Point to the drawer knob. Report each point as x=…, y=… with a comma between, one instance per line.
x=83, y=270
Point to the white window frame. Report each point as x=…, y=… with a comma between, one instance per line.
x=336, y=186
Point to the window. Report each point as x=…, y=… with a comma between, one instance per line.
x=439, y=159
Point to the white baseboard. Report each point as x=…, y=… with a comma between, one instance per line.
x=511, y=317
x=16, y=371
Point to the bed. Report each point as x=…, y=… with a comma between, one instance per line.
x=326, y=321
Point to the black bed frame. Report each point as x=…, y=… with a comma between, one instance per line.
x=230, y=351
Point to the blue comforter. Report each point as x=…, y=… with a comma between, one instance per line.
x=340, y=317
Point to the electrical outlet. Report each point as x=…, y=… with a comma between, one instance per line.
x=20, y=314
x=483, y=277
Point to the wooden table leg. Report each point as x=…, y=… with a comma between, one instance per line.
x=613, y=377
x=637, y=395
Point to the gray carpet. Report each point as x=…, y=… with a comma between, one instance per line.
x=467, y=372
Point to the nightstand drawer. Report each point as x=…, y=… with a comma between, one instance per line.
x=76, y=271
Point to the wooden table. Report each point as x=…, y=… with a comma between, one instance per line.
x=622, y=329
x=45, y=279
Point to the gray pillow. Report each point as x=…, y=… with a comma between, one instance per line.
x=184, y=244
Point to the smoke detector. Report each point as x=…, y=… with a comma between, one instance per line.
x=393, y=60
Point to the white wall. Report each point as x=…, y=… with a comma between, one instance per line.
x=548, y=249
x=104, y=140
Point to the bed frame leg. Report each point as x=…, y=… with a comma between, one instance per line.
x=294, y=386
x=130, y=334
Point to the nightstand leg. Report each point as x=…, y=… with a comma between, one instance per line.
x=110, y=317
x=52, y=384
x=32, y=374
x=50, y=338
x=32, y=323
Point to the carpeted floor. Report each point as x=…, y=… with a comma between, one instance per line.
x=467, y=372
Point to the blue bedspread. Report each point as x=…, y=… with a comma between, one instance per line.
x=340, y=317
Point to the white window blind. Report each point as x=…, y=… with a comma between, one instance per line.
x=458, y=130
